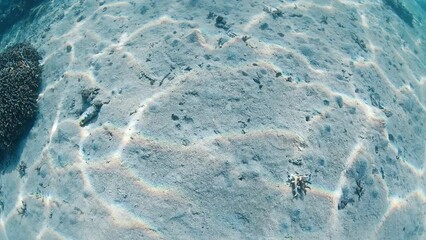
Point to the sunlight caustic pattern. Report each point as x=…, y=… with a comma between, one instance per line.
x=199, y=122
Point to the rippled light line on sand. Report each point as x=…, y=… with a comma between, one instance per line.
x=50, y=87
x=202, y=40
x=136, y=117
x=353, y=155
x=253, y=134
x=396, y=203
x=255, y=20
x=130, y=129
x=151, y=24
x=123, y=218
x=47, y=230
x=3, y=229
x=54, y=127
x=118, y=214
x=417, y=171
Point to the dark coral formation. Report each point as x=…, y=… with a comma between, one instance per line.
x=20, y=73
x=299, y=184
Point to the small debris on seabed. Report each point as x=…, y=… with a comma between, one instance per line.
x=221, y=23
x=23, y=210
x=360, y=42
x=297, y=162
x=299, y=183
x=91, y=113
x=275, y=12
x=91, y=105
x=22, y=167
x=359, y=189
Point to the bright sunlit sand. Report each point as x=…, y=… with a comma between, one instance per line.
x=187, y=119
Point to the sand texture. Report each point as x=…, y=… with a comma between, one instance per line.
x=184, y=120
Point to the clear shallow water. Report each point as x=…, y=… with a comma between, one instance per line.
x=209, y=113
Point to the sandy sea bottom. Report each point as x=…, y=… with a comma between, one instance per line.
x=192, y=119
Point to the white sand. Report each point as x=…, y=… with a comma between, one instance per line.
x=198, y=126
